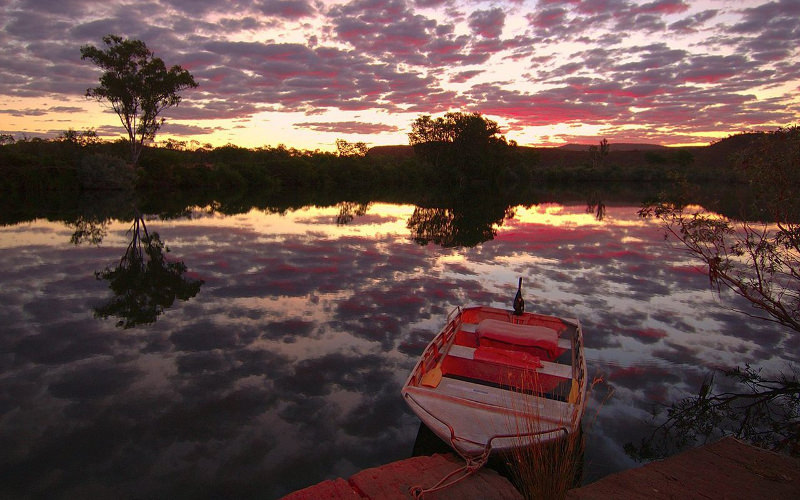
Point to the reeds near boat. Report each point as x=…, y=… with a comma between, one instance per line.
x=547, y=469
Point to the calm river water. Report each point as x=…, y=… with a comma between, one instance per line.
x=285, y=368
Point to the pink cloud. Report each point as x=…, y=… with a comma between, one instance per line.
x=465, y=76
x=543, y=233
x=351, y=127
x=665, y=7
x=398, y=55
x=602, y=256
x=687, y=270
x=290, y=9
x=708, y=77
x=548, y=17
x=487, y=23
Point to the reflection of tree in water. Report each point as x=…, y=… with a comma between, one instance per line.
x=467, y=225
x=144, y=283
x=349, y=210
x=89, y=230
x=596, y=206
x=762, y=410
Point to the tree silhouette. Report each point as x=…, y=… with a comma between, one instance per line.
x=349, y=210
x=466, y=223
x=760, y=409
x=89, y=230
x=351, y=149
x=137, y=85
x=759, y=261
x=467, y=146
x=144, y=282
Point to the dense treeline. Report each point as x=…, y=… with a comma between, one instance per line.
x=74, y=162
x=78, y=161
x=65, y=164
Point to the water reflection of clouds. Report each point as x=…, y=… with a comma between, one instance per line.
x=32, y=234
x=653, y=327
x=286, y=367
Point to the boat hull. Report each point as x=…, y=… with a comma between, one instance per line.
x=506, y=380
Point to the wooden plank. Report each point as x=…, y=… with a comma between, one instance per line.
x=563, y=342
x=496, y=396
x=468, y=327
x=553, y=369
x=461, y=351
x=726, y=469
x=495, y=399
x=556, y=370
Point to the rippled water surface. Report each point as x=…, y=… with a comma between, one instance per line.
x=285, y=367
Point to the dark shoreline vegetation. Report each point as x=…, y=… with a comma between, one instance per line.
x=79, y=174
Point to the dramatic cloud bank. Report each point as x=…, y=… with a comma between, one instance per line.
x=549, y=71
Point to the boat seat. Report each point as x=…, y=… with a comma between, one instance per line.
x=490, y=331
x=504, y=367
x=558, y=370
x=514, y=359
x=564, y=343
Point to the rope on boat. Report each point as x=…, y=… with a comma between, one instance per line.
x=473, y=463
x=472, y=466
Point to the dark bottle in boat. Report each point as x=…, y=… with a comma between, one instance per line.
x=519, y=303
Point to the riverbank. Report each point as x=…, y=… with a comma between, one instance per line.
x=728, y=468
x=86, y=164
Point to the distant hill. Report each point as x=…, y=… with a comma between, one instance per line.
x=403, y=151
x=718, y=153
x=615, y=146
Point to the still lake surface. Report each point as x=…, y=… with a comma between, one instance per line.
x=285, y=368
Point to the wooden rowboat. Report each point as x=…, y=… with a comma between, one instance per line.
x=493, y=380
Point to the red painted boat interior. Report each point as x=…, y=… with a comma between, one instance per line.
x=506, y=355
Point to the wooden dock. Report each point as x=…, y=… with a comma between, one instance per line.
x=395, y=480
x=728, y=469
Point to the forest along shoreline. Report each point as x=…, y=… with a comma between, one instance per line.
x=51, y=171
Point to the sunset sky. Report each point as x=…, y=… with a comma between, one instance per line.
x=307, y=72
